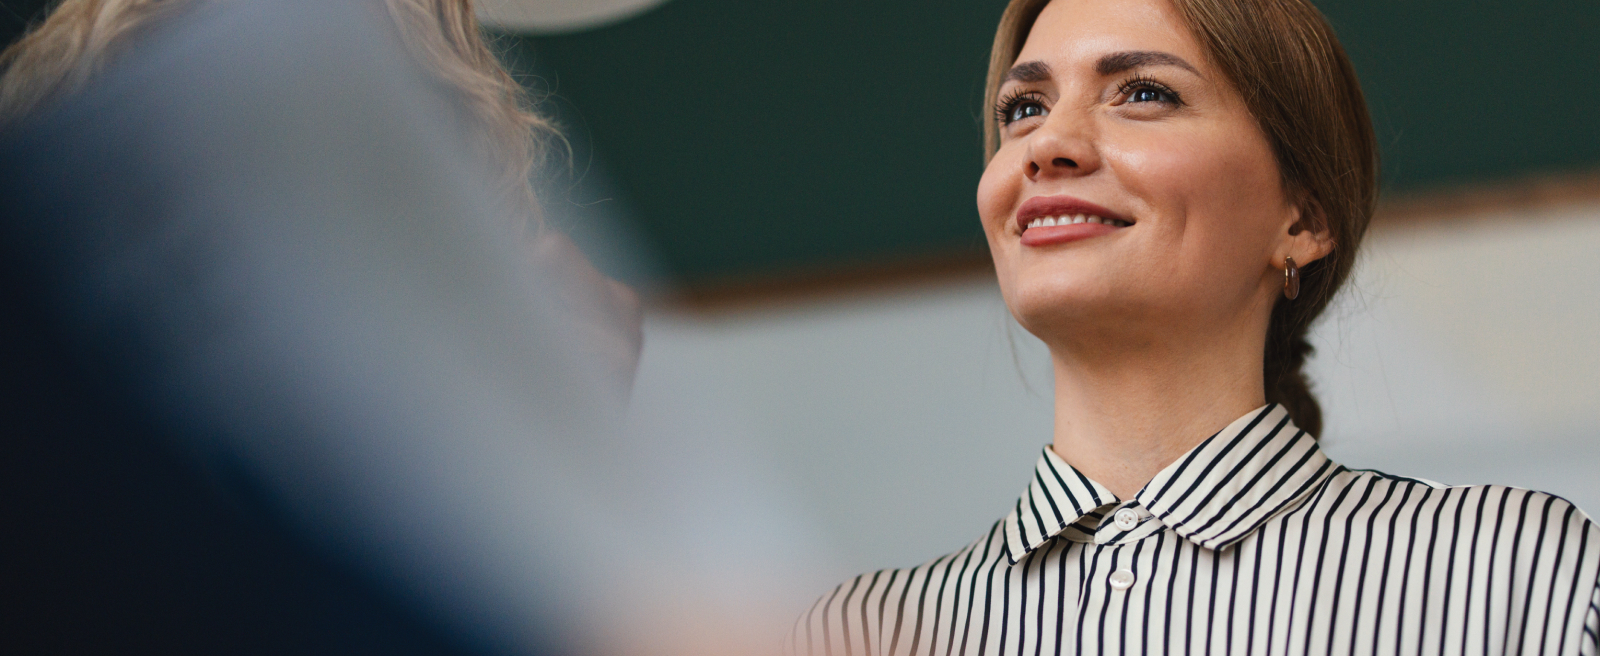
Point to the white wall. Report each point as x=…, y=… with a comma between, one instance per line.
x=1470, y=353
x=1466, y=351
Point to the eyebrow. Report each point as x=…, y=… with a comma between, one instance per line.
x=1118, y=62
x=1033, y=71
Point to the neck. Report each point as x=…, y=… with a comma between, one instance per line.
x=1124, y=415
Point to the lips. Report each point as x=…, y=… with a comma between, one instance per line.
x=1047, y=220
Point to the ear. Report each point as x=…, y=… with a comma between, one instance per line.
x=1305, y=235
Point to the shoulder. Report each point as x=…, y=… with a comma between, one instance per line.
x=1530, y=521
x=866, y=611
x=1497, y=500
x=1374, y=490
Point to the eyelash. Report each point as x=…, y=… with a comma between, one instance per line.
x=1142, y=81
x=1008, y=104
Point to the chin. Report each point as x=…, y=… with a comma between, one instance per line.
x=1050, y=306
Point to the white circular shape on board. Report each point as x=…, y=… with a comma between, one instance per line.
x=1122, y=579
x=1127, y=519
x=558, y=16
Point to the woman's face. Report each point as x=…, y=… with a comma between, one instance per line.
x=1113, y=114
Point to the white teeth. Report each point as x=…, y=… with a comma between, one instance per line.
x=1070, y=219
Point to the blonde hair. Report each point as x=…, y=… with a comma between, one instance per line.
x=1284, y=59
x=63, y=53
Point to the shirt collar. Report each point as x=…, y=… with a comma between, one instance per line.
x=1218, y=493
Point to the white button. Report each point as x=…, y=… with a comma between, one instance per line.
x=1127, y=519
x=1121, y=579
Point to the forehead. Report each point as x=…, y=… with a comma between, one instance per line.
x=1074, y=33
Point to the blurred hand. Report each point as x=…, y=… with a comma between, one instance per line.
x=604, y=314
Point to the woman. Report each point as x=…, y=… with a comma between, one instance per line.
x=301, y=257
x=1174, y=191
x=79, y=38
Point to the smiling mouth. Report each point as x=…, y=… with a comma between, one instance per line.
x=1070, y=219
x=1044, y=221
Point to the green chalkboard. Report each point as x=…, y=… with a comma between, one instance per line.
x=748, y=140
x=758, y=139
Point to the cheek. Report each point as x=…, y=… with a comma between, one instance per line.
x=1218, y=191
x=997, y=192
x=998, y=196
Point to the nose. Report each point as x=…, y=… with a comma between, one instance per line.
x=1063, y=147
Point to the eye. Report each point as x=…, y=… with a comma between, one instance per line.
x=1025, y=110
x=1148, y=94
x=1019, y=106
x=1145, y=90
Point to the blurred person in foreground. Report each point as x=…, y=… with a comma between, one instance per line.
x=1175, y=190
x=294, y=366
x=492, y=112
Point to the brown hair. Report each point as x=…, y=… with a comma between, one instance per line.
x=64, y=52
x=1283, y=58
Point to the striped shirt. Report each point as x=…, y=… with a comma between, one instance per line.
x=1252, y=543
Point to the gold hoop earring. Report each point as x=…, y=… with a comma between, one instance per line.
x=1291, y=279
